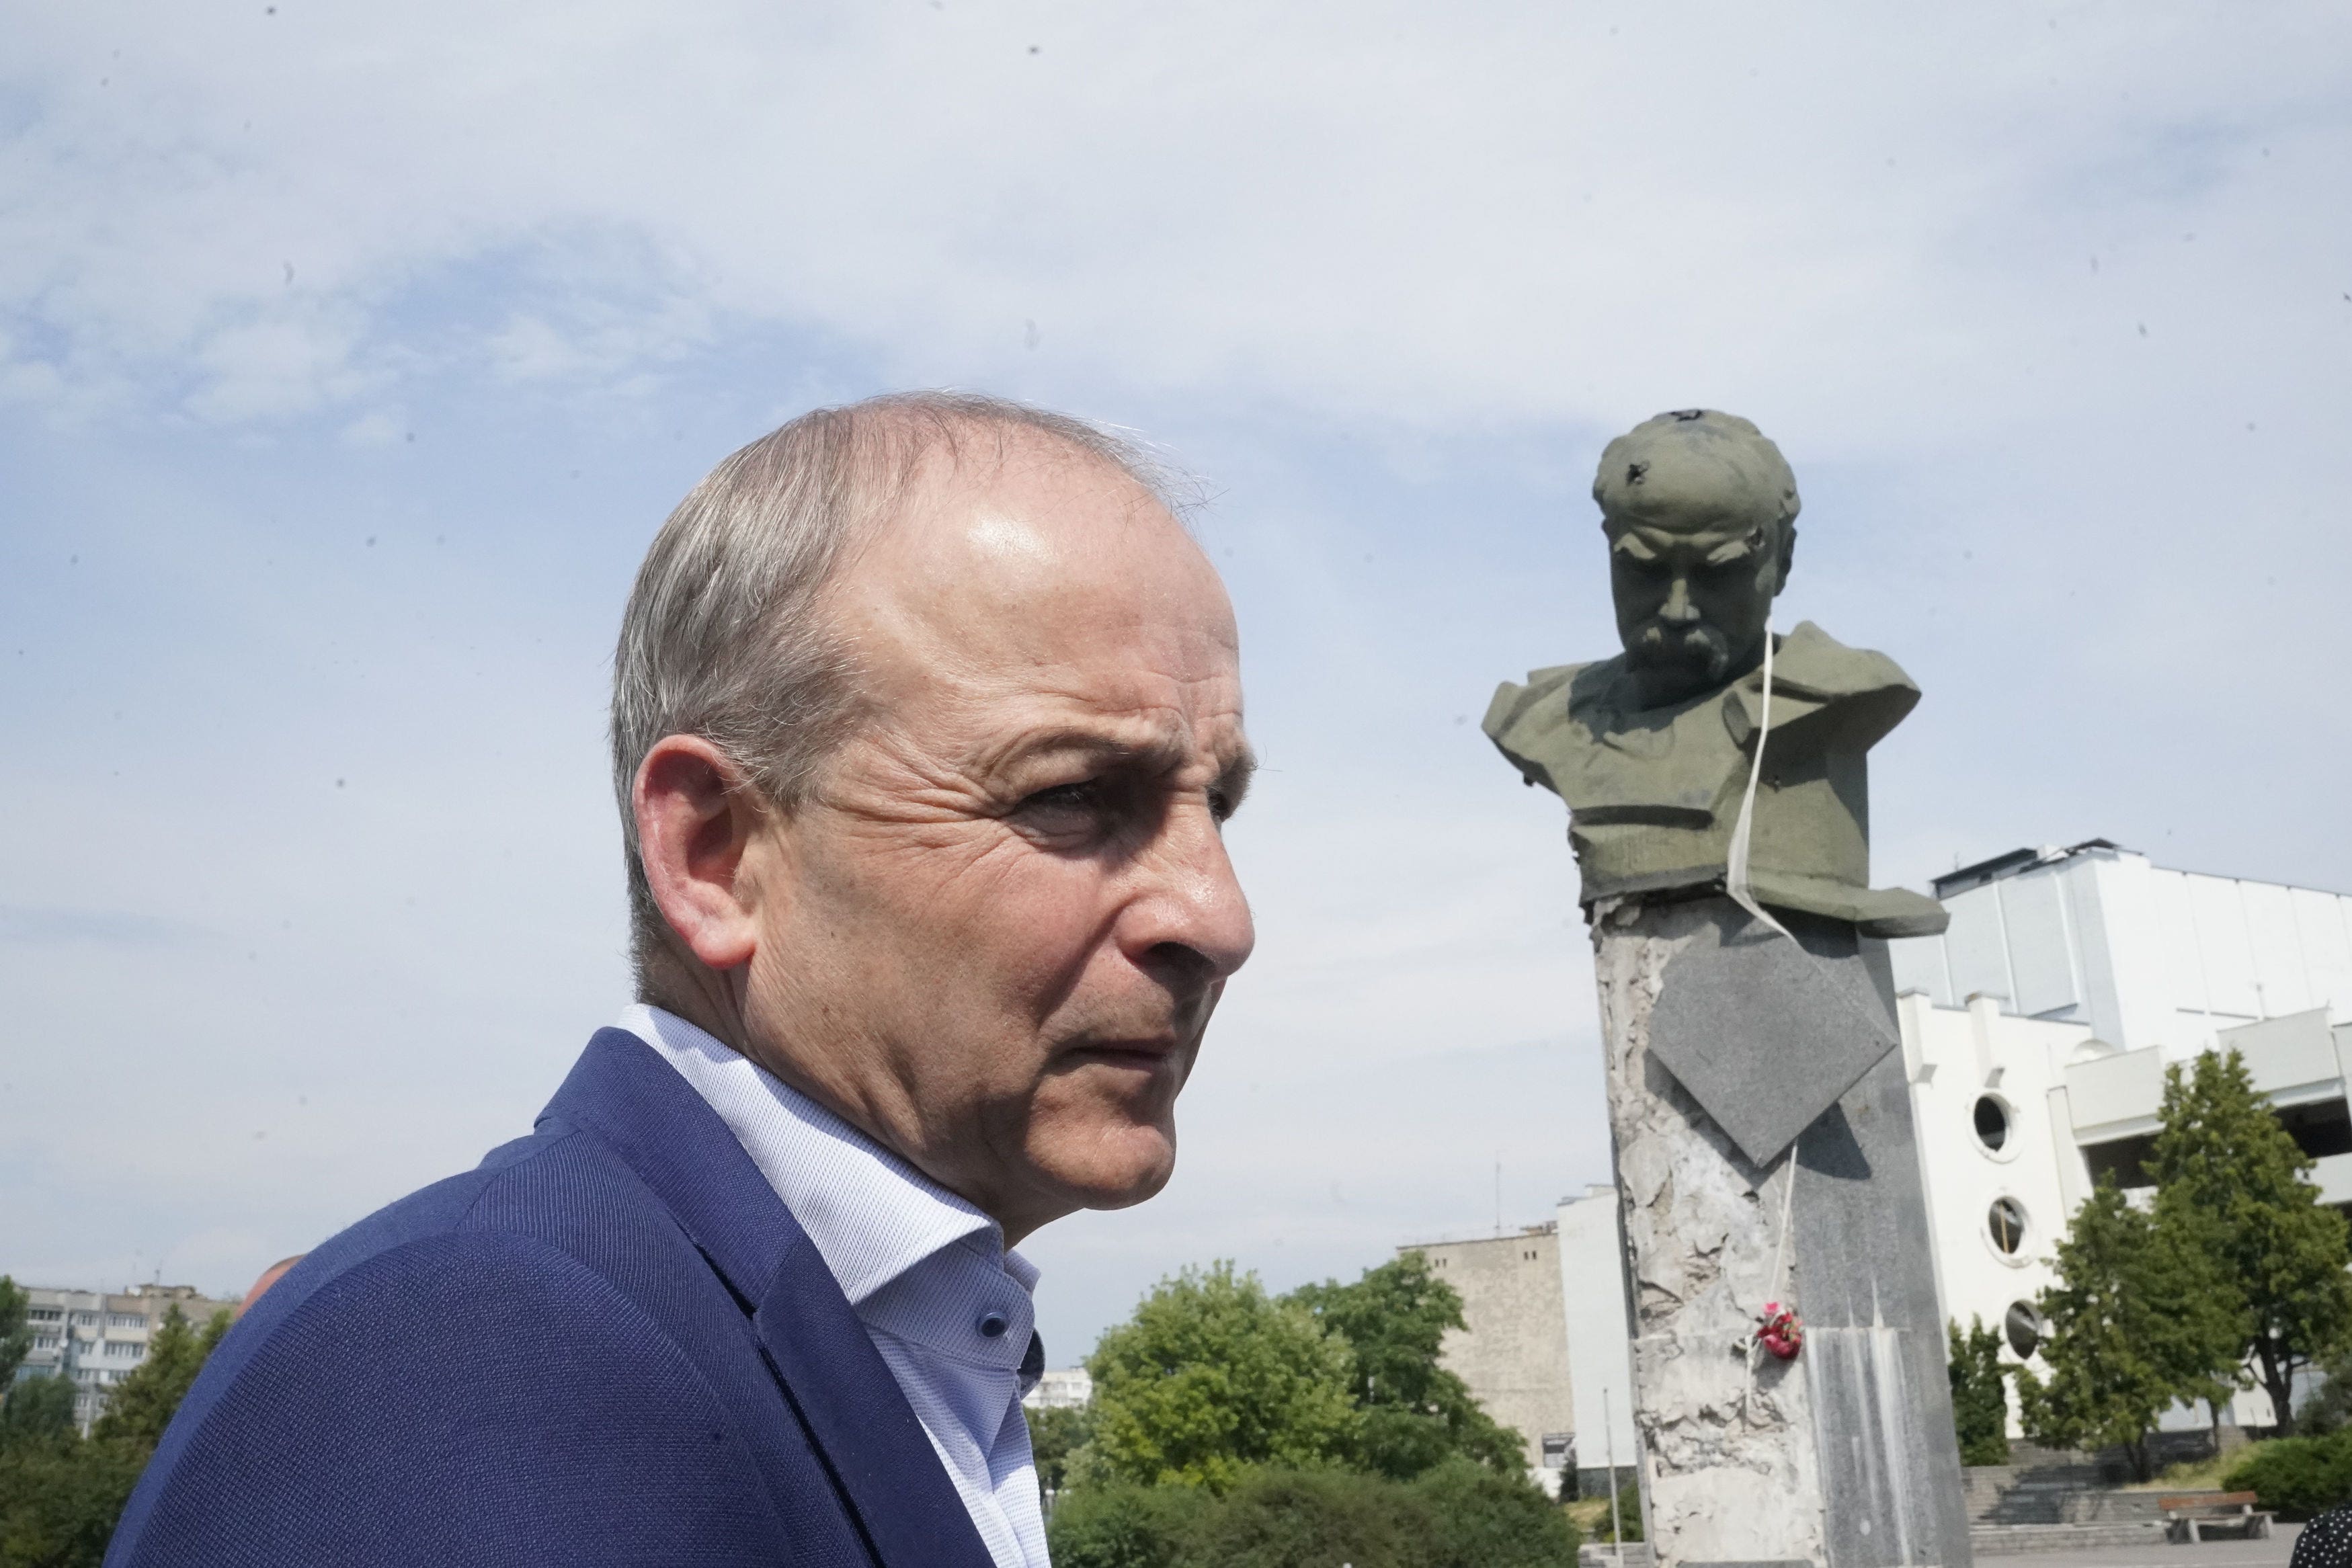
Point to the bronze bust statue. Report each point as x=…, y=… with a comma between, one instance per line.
x=1652, y=749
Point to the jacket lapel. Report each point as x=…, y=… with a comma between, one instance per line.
x=892, y=1480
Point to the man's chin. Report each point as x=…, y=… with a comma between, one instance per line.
x=1114, y=1170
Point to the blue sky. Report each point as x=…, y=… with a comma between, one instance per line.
x=349, y=359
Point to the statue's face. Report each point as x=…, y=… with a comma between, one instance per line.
x=1693, y=595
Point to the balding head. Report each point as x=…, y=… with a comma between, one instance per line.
x=725, y=634
x=987, y=922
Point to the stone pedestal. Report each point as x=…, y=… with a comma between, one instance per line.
x=1845, y=1456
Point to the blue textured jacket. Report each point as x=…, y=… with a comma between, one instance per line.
x=610, y=1343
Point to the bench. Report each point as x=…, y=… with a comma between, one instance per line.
x=2189, y=1517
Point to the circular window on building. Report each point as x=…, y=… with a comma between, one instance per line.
x=1992, y=1122
x=2023, y=1328
x=2005, y=1223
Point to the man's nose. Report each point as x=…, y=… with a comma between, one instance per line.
x=1678, y=606
x=1194, y=902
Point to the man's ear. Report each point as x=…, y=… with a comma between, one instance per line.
x=696, y=816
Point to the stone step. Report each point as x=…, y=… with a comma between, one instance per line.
x=1637, y=1555
x=2008, y=1540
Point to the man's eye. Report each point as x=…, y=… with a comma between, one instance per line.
x=1062, y=799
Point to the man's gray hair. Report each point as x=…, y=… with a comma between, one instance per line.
x=725, y=636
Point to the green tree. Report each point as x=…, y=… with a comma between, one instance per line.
x=1411, y=1414
x=16, y=1339
x=1212, y=1376
x=142, y=1404
x=2229, y=1179
x=1979, y=1395
x=36, y=1410
x=2138, y=1320
x=1056, y=1435
x=60, y=1493
x=2330, y=1409
x=59, y=1500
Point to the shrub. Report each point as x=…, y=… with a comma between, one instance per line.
x=1478, y=1518
x=1629, y=1513
x=1457, y=1515
x=2298, y=1477
x=1120, y=1524
x=1312, y=1519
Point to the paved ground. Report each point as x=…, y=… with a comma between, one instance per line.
x=2271, y=1554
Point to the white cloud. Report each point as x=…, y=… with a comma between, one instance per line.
x=1426, y=215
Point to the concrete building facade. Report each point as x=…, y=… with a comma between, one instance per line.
x=98, y=1338
x=1513, y=1350
x=1062, y=1388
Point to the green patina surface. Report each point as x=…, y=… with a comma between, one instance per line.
x=1652, y=749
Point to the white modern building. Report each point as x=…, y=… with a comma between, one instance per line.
x=2037, y=1028
x=98, y=1338
x=2035, y=1034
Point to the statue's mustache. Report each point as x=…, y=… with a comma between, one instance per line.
x=1695, y=645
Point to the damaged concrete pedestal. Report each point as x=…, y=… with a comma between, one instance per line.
x=1765, y=1153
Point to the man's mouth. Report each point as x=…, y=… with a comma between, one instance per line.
x=1135, y=1055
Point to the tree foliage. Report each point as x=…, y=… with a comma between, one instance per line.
x=141, y=1406
x=1629, y=1515
x=36, y=1410
x=2231, y=1182
x=1458, y=1514
x=2139, y=1319
x=1124, y=1524
x=2298, y=1477
x=1412, y=1413
x=1213, y=1376
x=1056, y=1435
x=15, y=1338
x=1979, y=1395
x=60, y=1493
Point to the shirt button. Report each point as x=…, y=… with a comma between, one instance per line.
x=993, y=1325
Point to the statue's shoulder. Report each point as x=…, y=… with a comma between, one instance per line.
x=1543, y=700
x=1532, y=724
x=1826, y=691
x=1810, y=660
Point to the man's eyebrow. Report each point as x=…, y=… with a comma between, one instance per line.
x=1740, y=548
x=1235, y=781
x=1632, y=544
x=1160, y=750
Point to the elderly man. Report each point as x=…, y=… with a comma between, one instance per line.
x=925, y=720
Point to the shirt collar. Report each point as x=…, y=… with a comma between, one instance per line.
x=872, y=1217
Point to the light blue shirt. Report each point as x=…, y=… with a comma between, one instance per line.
x=946, y=1304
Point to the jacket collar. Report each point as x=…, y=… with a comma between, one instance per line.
x=629, y=1099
